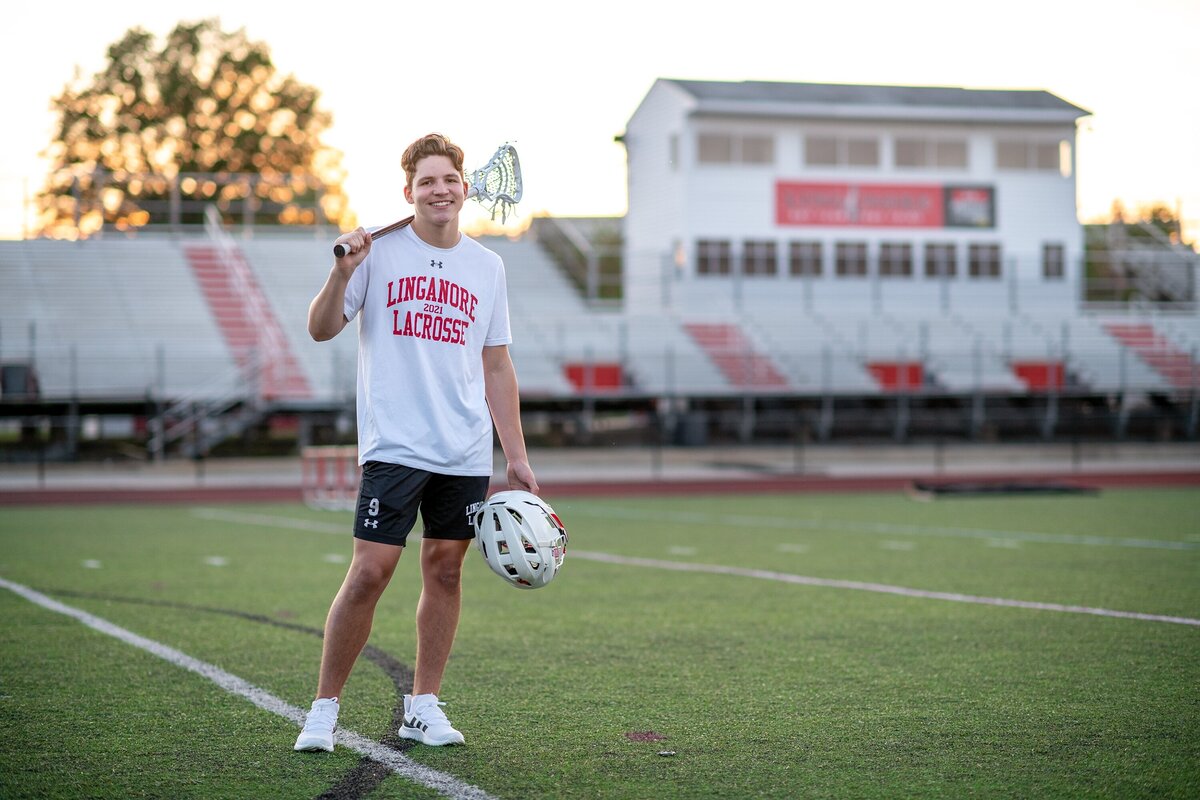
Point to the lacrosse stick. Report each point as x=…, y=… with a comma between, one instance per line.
x=496, y=186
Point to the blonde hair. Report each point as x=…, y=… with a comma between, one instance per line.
x=433, y=144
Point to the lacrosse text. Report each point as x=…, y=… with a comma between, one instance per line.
x=430, y=326
x=432, y=290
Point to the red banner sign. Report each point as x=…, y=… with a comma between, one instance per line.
x=882, y=205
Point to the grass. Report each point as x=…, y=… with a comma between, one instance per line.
x=760, y=688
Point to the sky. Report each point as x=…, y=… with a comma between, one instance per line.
x=560, y=80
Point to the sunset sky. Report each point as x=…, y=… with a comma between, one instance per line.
x=560, y=80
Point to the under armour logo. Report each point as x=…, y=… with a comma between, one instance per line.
x=433, y=263
x=371, y=523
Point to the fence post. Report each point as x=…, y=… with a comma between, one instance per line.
x=174, y=213
x=587, y=419
x=1194, y=413
x=738, y=265
x=159, y=434
x=801, y=437
x=72, y=432
x=1012, y=289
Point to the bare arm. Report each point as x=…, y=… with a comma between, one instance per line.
x=500, y=386
x=325, y=315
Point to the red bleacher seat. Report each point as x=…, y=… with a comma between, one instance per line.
x=602, y=377
x=895, y=376
x=1040, y=376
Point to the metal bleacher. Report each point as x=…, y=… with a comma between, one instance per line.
x=126, y=317
x=115, y=317
x=292, y=269
x=818, y=353
x=543, y=312
x=1103, y=362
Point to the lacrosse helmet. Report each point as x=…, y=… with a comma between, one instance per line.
x=521, y=538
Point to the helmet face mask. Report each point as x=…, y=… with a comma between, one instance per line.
x=521, y=538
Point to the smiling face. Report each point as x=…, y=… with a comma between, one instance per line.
x=437, y=190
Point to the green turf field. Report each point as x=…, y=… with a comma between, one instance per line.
x=760, y=687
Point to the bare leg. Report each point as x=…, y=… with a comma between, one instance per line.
x=349, y=622
x=438, y=609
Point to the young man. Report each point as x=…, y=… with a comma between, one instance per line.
x=433, y=359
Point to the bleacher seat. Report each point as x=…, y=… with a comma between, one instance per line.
x=110, y=317
x=126, y=316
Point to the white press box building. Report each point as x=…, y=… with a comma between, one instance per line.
x=865, y=198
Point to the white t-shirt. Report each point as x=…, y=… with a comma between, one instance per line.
x=424, y=316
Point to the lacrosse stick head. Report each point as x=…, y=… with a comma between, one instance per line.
x=497, y=184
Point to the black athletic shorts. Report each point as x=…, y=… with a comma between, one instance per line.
x=390, y=495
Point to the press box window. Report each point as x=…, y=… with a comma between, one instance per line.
x=851, y=258
x=950, y=154
x=1045, y=156
x=940, y=260
x=895, y=260
x=820, y=151
x=714, y=257
x=758, y=258
x=838, y=151
x=714, y=148
x=1012, y=155
x=910, y=153
x=725, y=148
x=1025, y=154
x=804, y=258
x=862, y=152
x=917, y=152
x=1053, y=261
x=758, y=150
x=983, y=261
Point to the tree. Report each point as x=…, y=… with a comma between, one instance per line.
x=1148, y=219
x=202, y=119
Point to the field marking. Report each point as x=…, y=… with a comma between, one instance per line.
x=792, y=523
x=716, y=569
x=446, y=785
x=271, y=521
x=882, y=588
x=992, y=537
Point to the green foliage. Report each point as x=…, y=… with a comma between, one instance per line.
x=204, y=113
x=1157, y=216
x=1152, y=228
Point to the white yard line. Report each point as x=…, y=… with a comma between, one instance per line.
x=272, y=521
x=882, y=588
x=991, y=537
x=782, y=577
x=748, y=522
x=440, y=782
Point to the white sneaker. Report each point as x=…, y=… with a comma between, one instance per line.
x=320, y=726
x=425, y=722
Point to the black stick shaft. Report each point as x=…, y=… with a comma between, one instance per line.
x=340, y=250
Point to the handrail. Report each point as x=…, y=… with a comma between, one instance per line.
x=268, y=339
